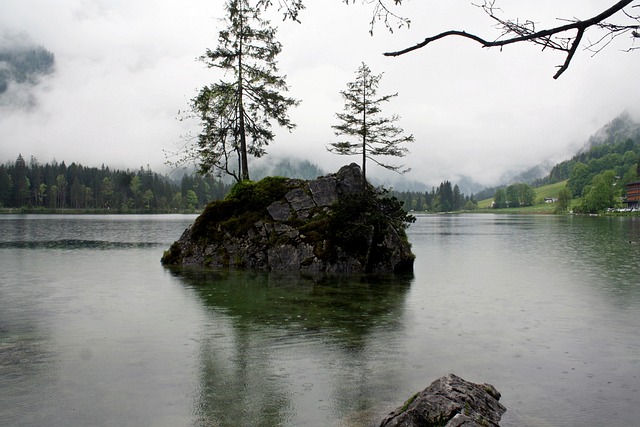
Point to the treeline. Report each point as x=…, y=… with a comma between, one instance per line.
x=601, y=183
x=514, y=196
x=444, y=198
x=56, y=186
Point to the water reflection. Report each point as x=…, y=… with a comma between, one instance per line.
x=605, y=251
x=26, y=363
x=601, y=252
x=292, y=349
x=544, y=307
x=94, y=333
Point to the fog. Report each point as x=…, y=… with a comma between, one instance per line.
x=124, y=69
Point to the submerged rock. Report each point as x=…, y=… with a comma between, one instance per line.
x=450, y=402
x=335, y=223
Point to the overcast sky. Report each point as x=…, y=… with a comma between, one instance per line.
x=124, y=68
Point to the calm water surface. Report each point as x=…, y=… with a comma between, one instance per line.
x=94, y=331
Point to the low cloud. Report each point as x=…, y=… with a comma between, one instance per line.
x=125, y=68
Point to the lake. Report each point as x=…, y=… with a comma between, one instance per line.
x=94, y=331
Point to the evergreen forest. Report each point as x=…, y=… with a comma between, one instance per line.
x=444, y=198
x=33, y=186
x=55, y=186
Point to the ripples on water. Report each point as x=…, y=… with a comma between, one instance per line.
x=74, y=244
x=94, y=331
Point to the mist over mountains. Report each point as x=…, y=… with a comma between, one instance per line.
x=22, y=65
x=621, y=128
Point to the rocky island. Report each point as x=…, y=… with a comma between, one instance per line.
x=336, y=223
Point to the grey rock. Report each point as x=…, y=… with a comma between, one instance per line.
x=279, y=211
x=275, y=241
x=349, y=180
x=285, y=230
x=288, y=257
x=299, y=200
x=450, y=401
x=324, y=191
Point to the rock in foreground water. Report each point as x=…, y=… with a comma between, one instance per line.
x=450, y=401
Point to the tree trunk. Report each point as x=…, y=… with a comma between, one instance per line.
x=244, y=163
x=364, y=131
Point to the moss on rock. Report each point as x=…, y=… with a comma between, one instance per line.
x=357, y=229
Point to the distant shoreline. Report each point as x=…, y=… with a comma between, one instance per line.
x=46, y=211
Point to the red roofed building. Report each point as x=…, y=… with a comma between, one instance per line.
x=632, y=197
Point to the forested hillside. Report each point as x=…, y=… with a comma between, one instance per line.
x=598, y=174
x=614, y=147
x=57, y=186
x=23, y=65
x=289, y=168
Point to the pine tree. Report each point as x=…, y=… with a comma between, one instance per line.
x=369, y=135
x=236, y=114
x=20, y=182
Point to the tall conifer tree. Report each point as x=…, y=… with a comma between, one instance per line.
x=236, y=114
x=368, y=134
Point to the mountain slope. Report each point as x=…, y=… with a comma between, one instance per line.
x=612, y=146
x=23, y=65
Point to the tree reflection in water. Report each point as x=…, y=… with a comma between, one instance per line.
x=282, y=348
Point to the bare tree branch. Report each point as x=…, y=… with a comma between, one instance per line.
x=289, y=8
x=564, y=38
x=555, y=38
x=382, y=12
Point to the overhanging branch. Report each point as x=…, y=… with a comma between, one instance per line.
x=526, y=34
